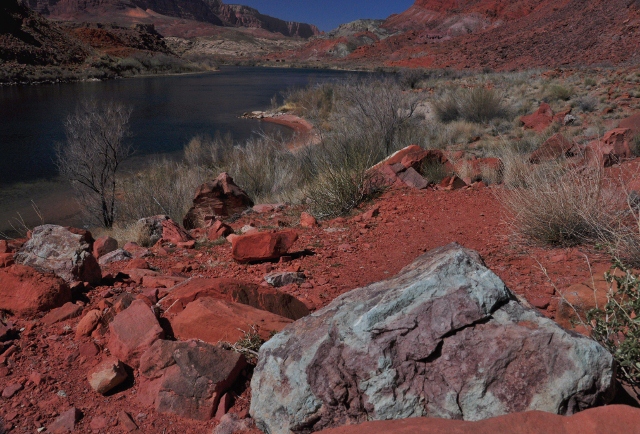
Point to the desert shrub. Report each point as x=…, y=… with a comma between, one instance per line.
x=590, y=81
x=377, y=111
x=478, y=104
x=315, y=102
x=165, y=187
x=556, y=205
x=446, y=107
x=481, y=104
x=557, y=92
x=615, y=325
x=411, y=78
x=265, y=169
x=338, y=177
x=587, y=103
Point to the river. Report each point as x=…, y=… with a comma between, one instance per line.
x=167, y=112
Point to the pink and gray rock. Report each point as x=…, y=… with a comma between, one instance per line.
x=117, y=255
x=160, y=227
x=284, y=278
x=218, y=198
x=65, y=252
x=444, y=338
x=188, y=378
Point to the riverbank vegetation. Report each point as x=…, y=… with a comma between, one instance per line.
x=359, y=122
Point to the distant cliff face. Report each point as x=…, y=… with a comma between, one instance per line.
x=209, y=11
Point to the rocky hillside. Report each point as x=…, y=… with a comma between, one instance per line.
x=497, y=34
x=27, y=38
x=168, y=14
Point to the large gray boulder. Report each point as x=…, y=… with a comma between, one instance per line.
x=66, y=252
x=444, y=338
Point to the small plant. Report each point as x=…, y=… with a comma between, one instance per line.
x=433, y=171
x=590, y=81
x=249, y=344
x=616, y=326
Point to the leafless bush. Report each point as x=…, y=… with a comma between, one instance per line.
x=376, y=111
x=92, y=154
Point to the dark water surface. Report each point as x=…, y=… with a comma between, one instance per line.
x=167, y=112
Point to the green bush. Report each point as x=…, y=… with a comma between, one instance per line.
x=558, y=92
x=616, y=326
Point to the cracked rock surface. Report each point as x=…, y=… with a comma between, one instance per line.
x=444, y=338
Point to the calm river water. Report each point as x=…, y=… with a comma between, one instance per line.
x=167, y=112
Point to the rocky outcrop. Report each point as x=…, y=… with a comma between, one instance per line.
x=612, y=419
x=614, y=148
x=260, y=297
x=25, y=291
x=444, y=338
x=65, y=252
x=220, y=197
x=160, y=228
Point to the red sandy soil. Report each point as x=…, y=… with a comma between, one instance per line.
x=346, y=253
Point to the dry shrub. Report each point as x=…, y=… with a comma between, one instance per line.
x=479, y=105
x=338, y=177
x=165, y=187
x=556, y=205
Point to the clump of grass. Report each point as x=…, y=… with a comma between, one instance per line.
x=433, y=171
x=557, y=92
x=249, y=344
x=479, y=104
x=555, y=205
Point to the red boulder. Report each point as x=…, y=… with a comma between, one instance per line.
x=555, y=147
x=25, y=291
x=262, y=246
x=133, y=331
x=104, y=245
x=217, y=230
x=213, y=321
x=540, y=120
x=612, y=149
